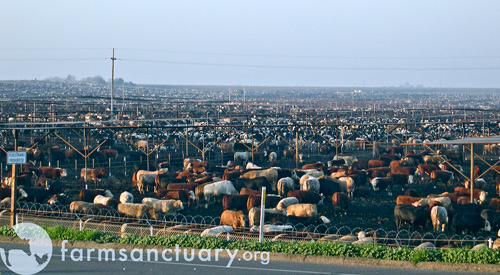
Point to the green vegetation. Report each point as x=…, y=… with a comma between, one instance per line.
x=458, y=255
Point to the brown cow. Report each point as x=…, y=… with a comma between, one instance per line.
x=377, y=172
x=23, y=178
x=180, y=186
x=340, y=202
x=494, y=204
x=462, y=191
x=441, y=176
x=53, y=173
x=42, y=181
x=363, y=175
x=203, y=179
x=92, y=174
x=305, y=196
x=109, y=153
x=426, y=169
x=373, y=163
x=69, y=154
x=477, y=171
x=271, y=201
x=406, y=199
x=184, y=175
x=234, y=202
x=317, y=165
x=231, y=175
x=395, y=163
x=246, y=191
x=183, y=195
x=236, y=219
x=198, y=166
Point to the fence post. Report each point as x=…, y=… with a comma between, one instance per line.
x=125, y=164
x=262, y=213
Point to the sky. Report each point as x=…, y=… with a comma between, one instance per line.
x=328, y=43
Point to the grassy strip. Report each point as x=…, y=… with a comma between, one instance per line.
x=457, y=255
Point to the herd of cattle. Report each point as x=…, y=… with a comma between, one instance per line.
x=310, y=196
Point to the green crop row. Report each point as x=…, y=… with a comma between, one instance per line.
x=456, y=255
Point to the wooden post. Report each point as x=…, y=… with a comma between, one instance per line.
x=13, y=191
x=13, y=195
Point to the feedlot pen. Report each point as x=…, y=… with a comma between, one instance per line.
x=171, y=142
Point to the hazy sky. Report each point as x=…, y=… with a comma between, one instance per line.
x=453, y=43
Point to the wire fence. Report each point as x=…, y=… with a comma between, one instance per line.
x=112, y=222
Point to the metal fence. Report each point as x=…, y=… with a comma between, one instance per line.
x=110, y=221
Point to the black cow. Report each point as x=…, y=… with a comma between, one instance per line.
x=328, y=187
x=409, y=213
x=36, y=194
x=253, y=184
x=294, y=220
x=469, y=223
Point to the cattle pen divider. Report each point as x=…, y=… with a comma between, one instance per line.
x=177, y=224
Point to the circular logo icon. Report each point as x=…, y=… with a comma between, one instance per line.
x=31, y=259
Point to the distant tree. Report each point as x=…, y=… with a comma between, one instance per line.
x=98, y=80
x=119, y=81
x=70, y=78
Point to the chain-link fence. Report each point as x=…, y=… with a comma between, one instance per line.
x=110, y=221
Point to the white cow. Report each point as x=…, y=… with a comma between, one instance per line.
x=126, y=197
x=212, y=232
x=439, y=217
x=165, y=206
x=219, y=188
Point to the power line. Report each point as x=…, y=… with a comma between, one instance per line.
x=314, y=67
x=315, y=57
x=52, y=59
x=51, y=49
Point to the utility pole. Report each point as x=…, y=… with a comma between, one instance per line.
x=13, y=187
x=112, y=77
